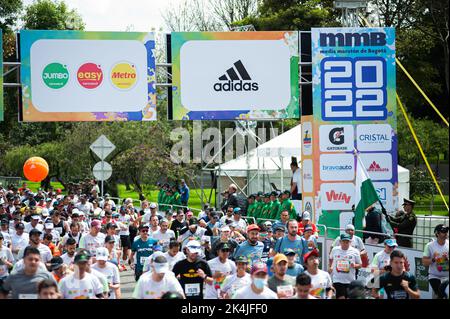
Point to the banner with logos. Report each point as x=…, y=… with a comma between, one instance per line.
x=1, y=75
x=354, y=109
x=235, y=75
x=307, y=166
x=87, y=76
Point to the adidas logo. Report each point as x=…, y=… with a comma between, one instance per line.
x=375, y=167
x=236, y=81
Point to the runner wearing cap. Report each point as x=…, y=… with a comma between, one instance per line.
x=263, y=237
x=35, y=241
x=343, y=262
x=58, y=268
x=109, y=270
x=321, y=283
x=294, y=269
x=293, y=241
x=4, y=231
x=93, y=239
x=241, y=224
x=145, y=219
x=125, y=220
x=225, y=237
x=174, y=255
x=158, y=281
x=23, y=283
x=435, y=255
x=141, y=249
x=236, y=281
x=355, y=241
x=258, y=288
x=281, y=283
x=81, y=284
x=114, y=254
x=306, y=221
x=34, y=224
x=382, y=259
x=309, y=237
x=252, y=248
x=397, y=283
x=74, y=233
x=193, y=272
x=6, y=260
x=220, y=267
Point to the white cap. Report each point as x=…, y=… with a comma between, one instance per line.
x=36, y=217
x=49, y=226
x=306, y=216
x=194, y=247
x=160, y=264
x=152, y=205
x=44, y=212
x=102, y=253
x=81, y=213
x=349, y=227
x=225, y=228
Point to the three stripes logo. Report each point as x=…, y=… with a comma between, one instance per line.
x=236, y=81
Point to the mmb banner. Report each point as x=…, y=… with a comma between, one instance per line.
x=87, y=76
x=354, y=109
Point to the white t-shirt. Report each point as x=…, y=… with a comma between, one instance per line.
x=173, y=260
x=164, y=238
x=86, y=207
x=66, y=236
x=124, y=225
x=5, y=254
x=320, y=282
x=19, y=242
x=355, y=243
x=233, y=283
x=91, y=243
x=67, y=259
x=111, y=272
x=87, y=288
x=439, y=269
x=6, y=238
x=342, y=272
x=227, y=268
x=241, y=224
x=46, y=253
x=151, y=231
x=380, y=260
x=297, y=178
x=147, y=288
x=247, y=293
x=29, y=227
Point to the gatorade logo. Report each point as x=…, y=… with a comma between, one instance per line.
x=90, y=75
x=124, y=75
x=55, y=75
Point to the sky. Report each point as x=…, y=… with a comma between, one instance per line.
x=117, y=15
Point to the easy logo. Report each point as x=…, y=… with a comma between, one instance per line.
x=55, y=75
x=124, y=75
x=90, y=75
x=232, y=81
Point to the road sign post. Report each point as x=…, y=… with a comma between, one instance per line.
x=102, y=147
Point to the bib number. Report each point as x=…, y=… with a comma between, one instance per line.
x=192, y=290
x=343, y=266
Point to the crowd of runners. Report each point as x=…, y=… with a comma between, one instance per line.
x=76, y=246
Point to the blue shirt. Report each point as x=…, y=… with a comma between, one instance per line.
x=252, y=253
x=184, y=191
x=299, y=245
x=143, y=250
x=296, y=270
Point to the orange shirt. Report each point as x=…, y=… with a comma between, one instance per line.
x=301, y=227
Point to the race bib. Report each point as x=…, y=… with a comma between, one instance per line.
x=343, y=266
x=442, y=264
x=192, y=290
x=287, y=290
x=28, y=296
x=59, y=230
x=142, y=260
x=399, y=294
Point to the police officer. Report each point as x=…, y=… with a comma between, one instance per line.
x=405, y=223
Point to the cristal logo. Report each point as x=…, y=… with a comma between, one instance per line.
x=336, y=136
x=307, y=138
x=90, y=75
x=55, y=75
x=338, y=197
x=373, y=138
x=236, y=81
x=375, y=167
x=124, y=75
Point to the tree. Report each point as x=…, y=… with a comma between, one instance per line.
x=9, y=13
x=51, y=15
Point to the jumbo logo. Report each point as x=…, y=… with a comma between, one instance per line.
x=124, y=75
x=55, y=75
x=90, y=75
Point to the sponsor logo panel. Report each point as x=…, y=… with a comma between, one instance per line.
x=337, y=196
x=373, y=137
x=336, y=138
x=378, y=165
x=337, y=167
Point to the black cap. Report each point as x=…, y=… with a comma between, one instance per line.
x=223, y=246
x=260, y=193
x=82, y=255
x=287, y=192
x=56, y=262
x=193, y=221
x=144, y=226
x=20, y=225
x=441, y=228
x=252, y=196
x=280, y=227
x=35, y=232
x=4, y=222
x=109, y=239
x=110, y=225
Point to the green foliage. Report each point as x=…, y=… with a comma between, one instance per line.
x=52, y=15
x=423, y=186
x=9, y=13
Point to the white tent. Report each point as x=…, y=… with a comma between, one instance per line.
x=270, y=163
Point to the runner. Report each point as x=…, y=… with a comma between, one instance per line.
x=435, y=255
x=124, y=233
x=322, y=285
x=6, y=260
x=293, y=241
x=35, y=241
x=252, y=248
x=236, y=281
x=257, y=289
x=344, y=260
x=220, y=267
x=109, y=270
x=114, y=254
x=19, y=239
x=155, y=283
x=381, y=260
x=141, y=249
x=193, y=272
x=69, y=255
x=397, y=283
x=294, y=269
x=57, y=268
x=280, y=283
x=23, y=284
x=81, y=284
x=225, y=237
x=303, y=286
x=178, y=223
x=48, y=289
x=93, y=239
x=174, y=255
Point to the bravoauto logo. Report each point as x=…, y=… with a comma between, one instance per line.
x=55, y=75
x=337, y=167
x=236, y=81
x=124, y=75
x=90, y=75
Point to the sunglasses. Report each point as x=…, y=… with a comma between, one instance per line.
x=144, y=230
x=225, y=250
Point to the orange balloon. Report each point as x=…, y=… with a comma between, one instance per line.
x=35, y=169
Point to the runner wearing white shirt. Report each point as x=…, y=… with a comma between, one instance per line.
x=258, y=288
x=234, y=282
x=164, y=234
x=6, y=259
x=109, y=270
x=153, y=284
x=383, y=258
x=69, y=256
x=344, y=260
x=174, y=255
x=154, y=221
x=321, y=284
x=94, y=239
x=221, y=267
x=35, y=241
x=34, y=224
x=4, y=230
x=19, y=239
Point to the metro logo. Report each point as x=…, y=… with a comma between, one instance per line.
x=124, y=76
x=338, y=197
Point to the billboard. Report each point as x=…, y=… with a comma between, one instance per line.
x=87, y=76
x=354, y=109
x=235, y=75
